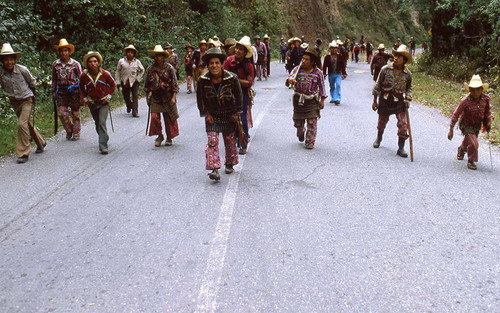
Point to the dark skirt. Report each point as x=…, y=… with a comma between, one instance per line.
x=160, y=103
x=391, y=105
x=309, y=109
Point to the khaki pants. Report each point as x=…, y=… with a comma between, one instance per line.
x=25, y=130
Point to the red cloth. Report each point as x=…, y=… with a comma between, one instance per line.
x=171, y=128
x=96, y=90
x=473, y=112
x=233, y=65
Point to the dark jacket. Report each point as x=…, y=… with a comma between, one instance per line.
x=222, y=102
x=328, y=65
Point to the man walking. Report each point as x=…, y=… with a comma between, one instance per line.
x=334, y=67
x=129, y=72
x=261, y=58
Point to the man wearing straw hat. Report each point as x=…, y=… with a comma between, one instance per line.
x=161, y=83
x=296, y=53
x=188, y=66
x=19, y=85
x=219, y=102
x=199, y=67
x=393, y=91
x=65, y=79
x=96, y=87
x=229, y=45
x=173, y=59
x=334, y=69
x=129, y=72
x=474, y=111
x=379, y=60
x=241, y=64
x=308, y=97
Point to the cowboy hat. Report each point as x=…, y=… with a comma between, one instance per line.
x=131, y=47
x=214, y=52
x=215, y=38
x=229, y=42
x=7, y=50
x=304, y=45
x=381, y=46
x=476, y=82
x=256, y=37
x=245, y=42
x=297, y=39
x=157, y=50
x=168, y=46
x=403, y=50
x=92, y=54
x=333, y=44
x=63, y=43
x=313, y=54
x=265, y=37
x=188, y=46
x=202, y=42
x=339, y=42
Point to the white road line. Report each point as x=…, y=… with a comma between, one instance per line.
x=207, y=298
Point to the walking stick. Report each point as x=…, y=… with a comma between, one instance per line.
x=295, y=75
x=409, y=132
x=111, y=119
x=149, y=113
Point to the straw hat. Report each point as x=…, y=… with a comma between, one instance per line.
x=297, y=39
x=403, y=50
x=245, y=42
x=265, y=37
x=476, y=82
x=63, y=43
x=188, y=46
x=256, y=37
x=131, y=47
x=313, y=54
x=339, y=42
x=381, y=46
x=229, y=42
x=202, y=42
x=214, y=52
x=168, y=46
x=304, y=45
x=92, y=54
x=333, y=44
x=157, y=50
x=215, y=38
x=7, y=50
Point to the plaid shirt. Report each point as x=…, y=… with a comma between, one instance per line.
x=472, y=112
x=309, y=84
x=65, y=74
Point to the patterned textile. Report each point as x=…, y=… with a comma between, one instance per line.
x=312, y=129
x=171, y=126
x=212, y=150
x=72, y=125
x=402, y=123
x=244, y=70
x=309, y=84
x=471, y=145
x=472, y=113
x=65, y=74
x=97, y=89
x=389, y=82
x=161, y=78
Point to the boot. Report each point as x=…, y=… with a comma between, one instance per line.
x=214, y=175
x=401, y=151
x=377, y=141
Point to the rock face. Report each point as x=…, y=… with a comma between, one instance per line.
x=377, y=20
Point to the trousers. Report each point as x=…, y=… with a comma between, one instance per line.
x=25, y=129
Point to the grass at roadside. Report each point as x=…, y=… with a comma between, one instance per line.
x=446, y=95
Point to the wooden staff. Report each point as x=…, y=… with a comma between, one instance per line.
x=409, y=132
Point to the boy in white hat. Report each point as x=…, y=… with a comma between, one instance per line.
x=19, y=85
x=129, y=72
x=65, y=79
x=474, y=110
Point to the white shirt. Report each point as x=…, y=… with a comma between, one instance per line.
x=131, y=72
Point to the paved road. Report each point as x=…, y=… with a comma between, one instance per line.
x=340, y=228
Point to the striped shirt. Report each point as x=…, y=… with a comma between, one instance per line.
x=65, y=74
x=309, y=84
x=161, y=79
x=473, y=112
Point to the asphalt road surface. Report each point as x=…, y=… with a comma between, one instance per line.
x=340, y=228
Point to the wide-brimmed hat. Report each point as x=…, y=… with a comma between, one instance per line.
x=381, y=46
x=92, y=54
x=188, y=46
x=131, y=47
x=214, y=52
x=168, y=46
x=476, y=82
x=333, y=44
x=245, y=42
x=229, y=42
x=304, y=45
x=216, y=38
x=157, y=50
x=63, y=43
x=7, y=50
x=339, y=42
x=403, y=50
x=297, y=39
x=211, y=42
x=256, y=37
x=266, y=37
x=202, y=42
x=313, y=54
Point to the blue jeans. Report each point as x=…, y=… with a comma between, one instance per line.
x=335, y=81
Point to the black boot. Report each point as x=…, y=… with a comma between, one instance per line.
x=377, y=141
x=401, y=151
